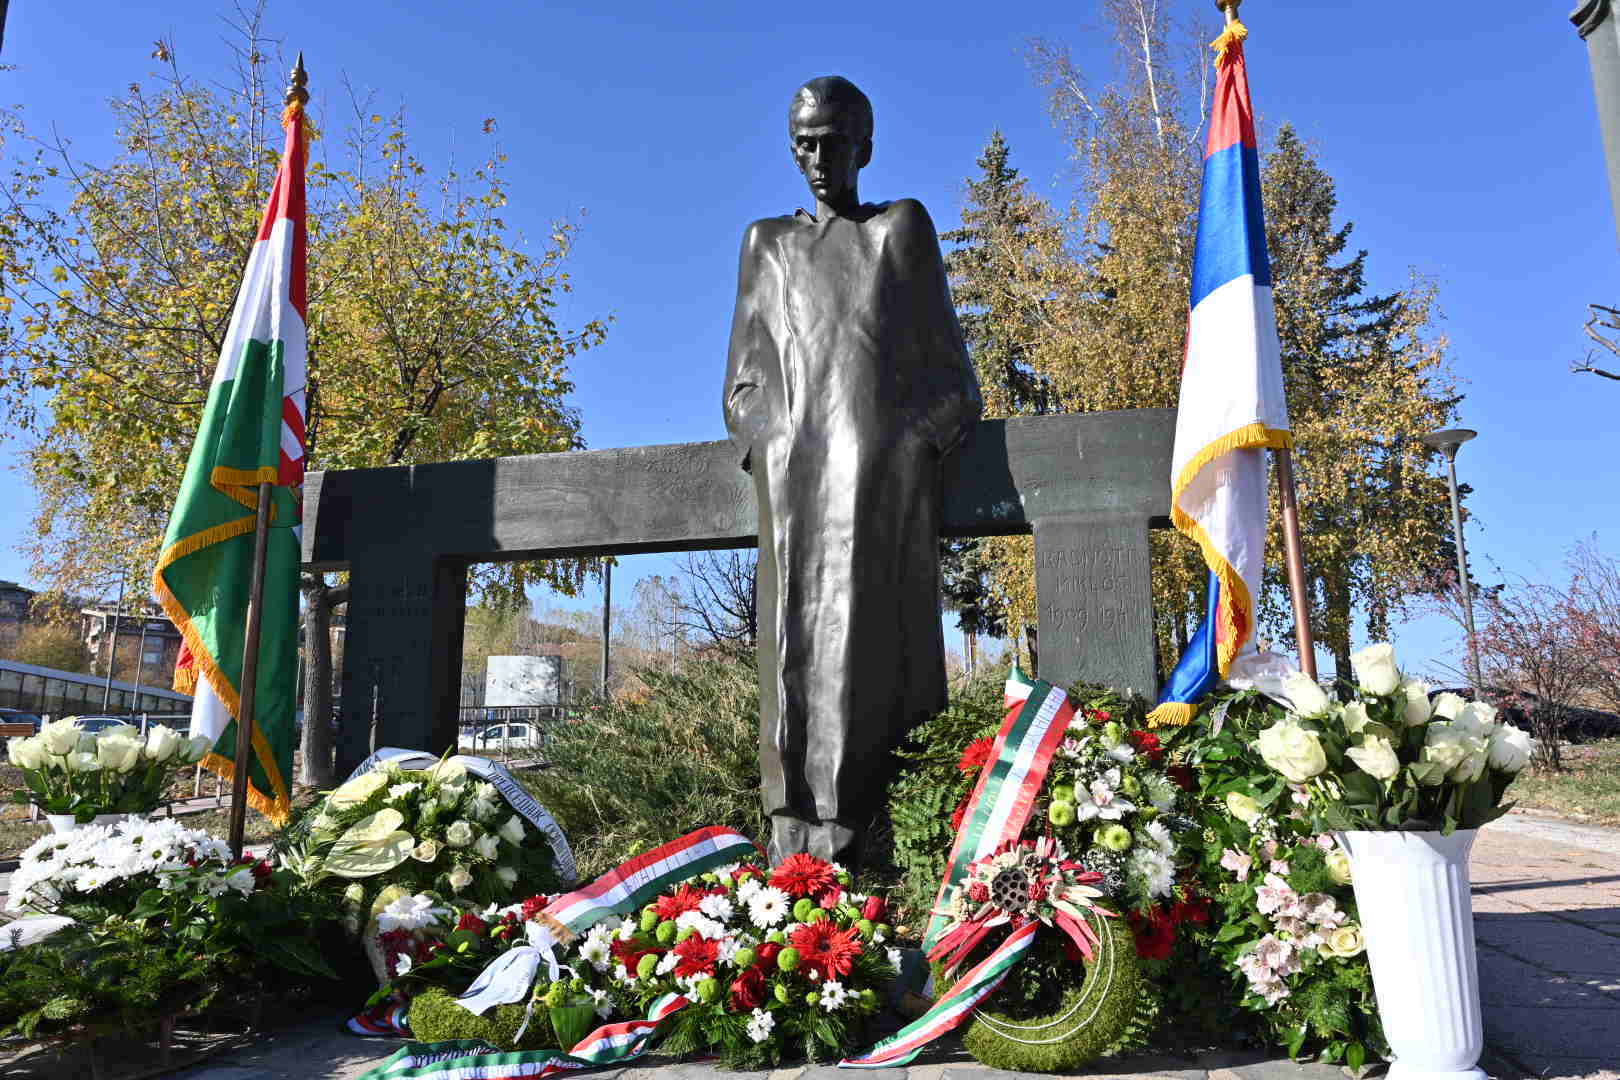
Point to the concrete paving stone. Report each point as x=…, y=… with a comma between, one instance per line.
x=1508, y=981
x=228, y=1072
x=786, y=1074
x=1284, y=1070
x=1551, y=943
x=1578, y=1031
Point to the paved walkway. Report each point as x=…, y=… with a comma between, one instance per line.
x=1547, y=921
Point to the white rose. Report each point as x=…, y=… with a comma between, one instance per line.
x=1376, y=757
x=426, y=851
x=1462, y=755
x=1355, y=717
x=60, y=737
x=27, y=753
x=1344, y=942
x=1375, y=669
x=118, y=749
x=1304, y=696
x=1241, y=806
x=1417, y=703
x=354, y=893
x=512, y=830
x=1476, y=718
x=197, y=749
x=162, y=743
x=488, y=846
x=1448, y=705
x=1292, y=751
x=459, y=834
x=1510, y=749
x=82, y=761
x=507, y=875
x=460, y=879
x=1338, y=866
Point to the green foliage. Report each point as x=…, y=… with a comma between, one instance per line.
x=631, y=775
x=1087, y=1020
x=436, y=1016
x=929, y=787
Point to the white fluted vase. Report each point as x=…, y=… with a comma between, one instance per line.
x=1418, y=921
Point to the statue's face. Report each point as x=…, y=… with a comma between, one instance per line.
x=829, y=151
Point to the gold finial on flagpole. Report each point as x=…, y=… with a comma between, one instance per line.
x=297, y=84
x=1235, y=30
x=1230, y=9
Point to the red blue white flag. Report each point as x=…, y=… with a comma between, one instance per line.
x=1232, y=404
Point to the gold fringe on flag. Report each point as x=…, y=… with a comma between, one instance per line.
x=1172, y=714
x=1235, y=32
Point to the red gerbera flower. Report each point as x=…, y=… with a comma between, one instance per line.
x=469, y=921
x=698, y=956
x=684, y=899
x=961, y=812
x=803, y=875
x=1155, y=935
x=825, y=949
x=1147, y=744
x=976, y=754
x=747, y=990
x=630, y=952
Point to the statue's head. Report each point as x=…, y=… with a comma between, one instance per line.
x=830, y=131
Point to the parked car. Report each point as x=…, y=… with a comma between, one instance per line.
x=94, y=724
x=509, y=736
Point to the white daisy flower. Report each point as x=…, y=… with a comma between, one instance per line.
x=768, y=907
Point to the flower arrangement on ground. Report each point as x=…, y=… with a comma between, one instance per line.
x=774, y=961
x=1390, y=758
x=1285, y=933
x=438, y=831
x=164, y=922
x=119, y=770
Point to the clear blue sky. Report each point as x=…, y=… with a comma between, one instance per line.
x=1463, y=139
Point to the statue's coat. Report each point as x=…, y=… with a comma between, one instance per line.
x=847, y=382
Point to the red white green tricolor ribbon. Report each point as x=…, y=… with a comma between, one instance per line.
x=1038, y=715
x=637, y=882
x=472, y=1059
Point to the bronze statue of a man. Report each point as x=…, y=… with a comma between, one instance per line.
x=847, y=383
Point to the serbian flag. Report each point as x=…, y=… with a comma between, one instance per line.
x=1232, y=405
x=252, y=431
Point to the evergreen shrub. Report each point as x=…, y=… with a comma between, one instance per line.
x=636, y=774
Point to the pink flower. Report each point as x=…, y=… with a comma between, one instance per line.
x=1269, y=850
x=1325, y=842
x=1275, y=897
x=1237, y=862
x=1320, y=910
x=1278, y=866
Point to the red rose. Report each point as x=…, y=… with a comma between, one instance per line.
x=976, y=754
x=874, y=909
x=1194, y=909
x=1183, y=777
x=765, y=955
x=1147, y=744
x=469, y=921
x=534, y=905
x=748, y=990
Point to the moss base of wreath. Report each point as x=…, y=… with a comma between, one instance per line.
x=436, y=1016
x=1090, y=1020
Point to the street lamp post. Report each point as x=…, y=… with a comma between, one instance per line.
x=1447, y=443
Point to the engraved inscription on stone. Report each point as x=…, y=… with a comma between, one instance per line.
x=1095, y=601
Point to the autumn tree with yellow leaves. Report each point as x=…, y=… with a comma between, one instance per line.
x=432, y=331
x=1084, y=309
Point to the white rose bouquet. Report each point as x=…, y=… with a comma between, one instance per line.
x=68, y=770
x=437, y=831
x=1389, y=759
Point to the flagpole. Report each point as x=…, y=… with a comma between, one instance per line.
x=296, y=96
x=250, y=672
x=1288, y=500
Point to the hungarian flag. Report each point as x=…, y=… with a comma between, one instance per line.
x=252, y=431
x=1232, y=405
